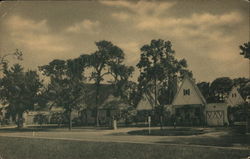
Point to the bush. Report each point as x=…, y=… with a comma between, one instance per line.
x=58, y=118
x=40, y=119
x=77, y=121
x=238, y=113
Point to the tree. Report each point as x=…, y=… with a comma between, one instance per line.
x=122, y=85
x=3, y=61
x=204, y=88
x=158, y=68
x=40, y=119
x=101, y=61
x=245, y=51
x=19, y=91
x=220, y=88
x=65, y=88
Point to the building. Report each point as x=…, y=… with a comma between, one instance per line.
x=216, y=114
x=234, y=98
x=188, y=104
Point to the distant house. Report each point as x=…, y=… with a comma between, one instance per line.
x=147, y=102
x=109, y=106
x=234, y=98
x=188, y=104
x=30, y=115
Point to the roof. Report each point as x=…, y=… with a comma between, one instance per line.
x=234, y=97
x=107, y=98
x=179, y=100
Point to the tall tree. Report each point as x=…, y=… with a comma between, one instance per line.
x=158, y=67
x=204, y=88
x=245, y=51
x=3, y=59
x=122, y=85
x=65, y=88
x=19, y=91
x=220, y=88
x=107, y=54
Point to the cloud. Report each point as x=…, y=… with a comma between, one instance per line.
x=204, y=36
x=142, y=7
x=35, y=35
x=132, y=52
x=84, y=26
x=17, y=23
x=121, y=16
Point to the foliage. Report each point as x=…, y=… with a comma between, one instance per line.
x=238, y=113
x=58, y=118
x=245, y=50
x=204, y=88
x=40, y=119
x=65, y=88
x=107, y=60
x=20, y=90
x=158, y=68
x=129, y=115
x=220, y=88
x=3, y=59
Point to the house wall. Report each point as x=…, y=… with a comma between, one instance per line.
x=216, y=114
x=234, y=98
x=105, y=116
x=192, y=98
x=29, y=116
x=144, y=104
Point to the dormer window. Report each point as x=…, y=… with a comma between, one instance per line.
x=186, y=92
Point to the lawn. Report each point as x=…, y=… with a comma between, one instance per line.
x=30, y=148
x=169, y=132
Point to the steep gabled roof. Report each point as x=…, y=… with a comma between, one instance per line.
x=234, y=97
x=196, y=96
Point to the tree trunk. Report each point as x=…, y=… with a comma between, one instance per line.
x=86, y=117
x=70, y=120
x=97, y=102
x=20, y=120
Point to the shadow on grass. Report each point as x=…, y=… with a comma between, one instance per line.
x=51, y=128
x=230, y=139
x=169, y=132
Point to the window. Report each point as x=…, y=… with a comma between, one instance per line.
x=186, y=92
x=234, y=95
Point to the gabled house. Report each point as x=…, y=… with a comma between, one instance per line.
x=147, y=102
x=188, y=104
x=109, y=106
x=234, y=98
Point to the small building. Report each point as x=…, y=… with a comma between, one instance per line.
x=30, y=115
x=216, y=114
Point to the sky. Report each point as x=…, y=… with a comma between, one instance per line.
x=206, y=33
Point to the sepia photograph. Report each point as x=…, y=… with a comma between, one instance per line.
x=125, y=79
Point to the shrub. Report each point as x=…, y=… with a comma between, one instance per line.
x=40, y=119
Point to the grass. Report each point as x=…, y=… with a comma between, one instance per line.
x=226, y=140
x=49, y=128
x=16, y=148
x=168, y=132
